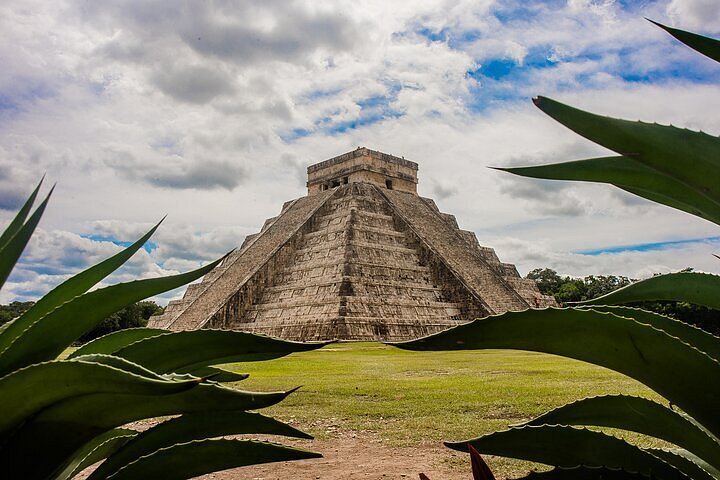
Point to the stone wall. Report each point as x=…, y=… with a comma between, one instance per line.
x=363, y=166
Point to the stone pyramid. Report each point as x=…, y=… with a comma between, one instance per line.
x=361, y=257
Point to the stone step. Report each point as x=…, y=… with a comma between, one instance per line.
x=369, y=198
x=331, y=260
x=380, y=255
x=343, y=214
x=319, y=252
x=354, y=243
x=360, y=233
x=377, y=330
x=441, y=310
x=354, y=281
x=357, y=304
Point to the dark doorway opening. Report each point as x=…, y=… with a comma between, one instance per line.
x=388, y=184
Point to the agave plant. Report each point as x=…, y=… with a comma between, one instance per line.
x=60, y=416
x=674, y=167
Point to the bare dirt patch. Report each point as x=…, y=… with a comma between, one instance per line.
x=352, y=456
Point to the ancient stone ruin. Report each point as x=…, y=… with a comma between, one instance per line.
x=361, y=257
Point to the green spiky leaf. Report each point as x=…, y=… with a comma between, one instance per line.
x=95, y=450
x=190, y=350
x=674, y=369
x=193, y=427
x=585, y=473
x=689, y=334
x=112, y=342
x=691, y=287
x=570, y=447
x=61, y=381
x=13, y=248
x=17, y=222
x=187, y=460
x=49, y=336
x=683, y=461
x=709, y=47
x=70, y=289
x=632, y=176
x=656, y=146
x=638, y=415
x=119, y=363
x=80, y=419
x=218, y=374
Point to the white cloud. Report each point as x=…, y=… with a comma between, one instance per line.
x=527, y=255
x=210, y=111
x=695, y=14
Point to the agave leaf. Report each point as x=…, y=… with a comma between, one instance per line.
x=705, y=45
x=112, y=342
x=22, y=398
x=585, y=473
x=189, y=350
x=20, y=217
x=95, y=450
x=691, y=287
x=218, y=374
x=638, y=415
x=674, y=369
x=49, y=336
x=80, y=419
x=654, y=145
x=191, y=427
x=689, y=334
x=187, y=460
x=13, y=248
x=682, y=461
x=121, y=364
x=70, y=289
x=570, y=447
x=632, y=176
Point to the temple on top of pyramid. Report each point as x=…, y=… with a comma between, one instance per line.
x=361, y=257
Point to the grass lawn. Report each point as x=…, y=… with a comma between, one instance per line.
x=413, y=398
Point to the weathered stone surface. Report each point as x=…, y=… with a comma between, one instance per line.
x=360, y=260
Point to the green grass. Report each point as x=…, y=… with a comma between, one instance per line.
x=412, y=398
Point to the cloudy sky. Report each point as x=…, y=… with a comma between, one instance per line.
x=210, y=111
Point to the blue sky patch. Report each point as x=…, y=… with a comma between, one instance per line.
x=148, y=247
x=650, y=247
x=295, y=134
x=316, y=94
x=433, y=36
x=362, y=121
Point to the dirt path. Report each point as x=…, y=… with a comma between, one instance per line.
x=350, y=457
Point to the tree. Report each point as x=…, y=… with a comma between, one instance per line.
x=132, y=316
x=547, y=280
x=12, y=310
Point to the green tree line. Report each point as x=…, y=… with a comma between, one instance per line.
x=568, y=289
x=135, y=315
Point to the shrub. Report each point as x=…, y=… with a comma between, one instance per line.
x=668, y=165
x=60, y=416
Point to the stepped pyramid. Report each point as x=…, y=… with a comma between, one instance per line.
x=361, y=257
